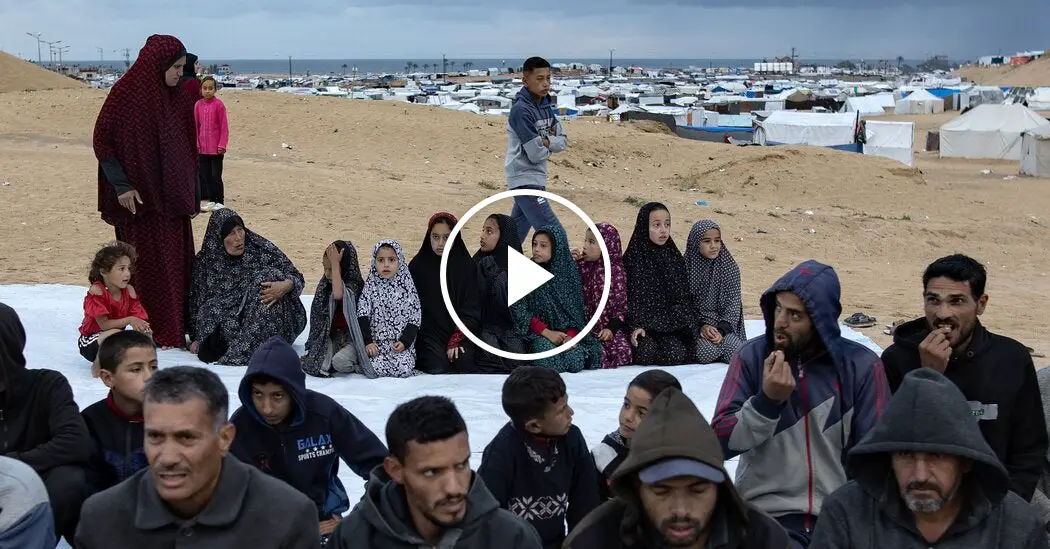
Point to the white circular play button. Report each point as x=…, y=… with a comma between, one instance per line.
x=524, y=277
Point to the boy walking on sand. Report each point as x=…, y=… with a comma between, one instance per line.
x=533, y=134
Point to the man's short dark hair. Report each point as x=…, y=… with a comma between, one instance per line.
x=534, y=63
x=264, y=379
x=181, y=383
x=655, y=381
x=960, y=268
x=422, y=420
x=529, y=391
x=111, y=350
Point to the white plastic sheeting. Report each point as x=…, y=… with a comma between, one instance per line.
x=1035, y=152
x=920, y=102
x=869, y=104
x=805, y=128
x=890, y=140
x=989, y=131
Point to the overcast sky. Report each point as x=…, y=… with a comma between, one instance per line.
x=564, y=29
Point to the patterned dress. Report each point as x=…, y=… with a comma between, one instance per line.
x=224, y=296
x=715, y=284
x=617, y=351
x=392, y=313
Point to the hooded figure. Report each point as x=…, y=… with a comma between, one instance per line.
x=658, y=298
x=557, y=305
x=497, y=320
x=388, y=312
x=189, y=81
x=40, y=425
x=792, y=453
x=145, y=141
x=1041, y=497
x=870, y=513
x=674, y=442
x=715, y=284
x=616, y=351
x=439, y=334
x=228, y=320
x=25, y=513
x=304, y=447
x=333, y=323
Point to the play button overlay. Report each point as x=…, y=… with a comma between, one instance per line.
x=524, y=277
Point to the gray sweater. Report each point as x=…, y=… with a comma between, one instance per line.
x=928, y=413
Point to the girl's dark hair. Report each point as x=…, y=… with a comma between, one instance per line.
x=108, y=256
x=210, y=79
x=655, y=381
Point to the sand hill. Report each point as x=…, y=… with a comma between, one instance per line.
x=19, y=75
x=1034, y=74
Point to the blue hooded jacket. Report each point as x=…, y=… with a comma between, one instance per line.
x=529, y=122
x=305, y=451
x=792, y=455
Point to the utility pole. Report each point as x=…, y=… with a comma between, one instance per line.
x=794, y=57
x=610, y=61
x=289, y=67
x=51, y=51
x=127, y=57
x=38, y=36
x=101, y=55
x=444, y=64
x=60, y=51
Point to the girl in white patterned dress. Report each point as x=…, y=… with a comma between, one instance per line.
x=389, y=312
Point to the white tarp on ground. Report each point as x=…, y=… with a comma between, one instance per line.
x=806, y=128
x=989, y=131
x=920, y=102
x=52, y=313
x=1035, y=152
x=890, y=140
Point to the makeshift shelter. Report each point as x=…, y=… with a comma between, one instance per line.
x=869, y=104
x=989, y=131
x=890, y=140
x=1035, y=152
x=920, y=102
x=806, y=128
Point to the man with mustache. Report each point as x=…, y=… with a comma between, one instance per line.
x=796, y=399
x=193, y=493
x=425, y=494
x=672, y=490
x=994, y=372
x=928, y=483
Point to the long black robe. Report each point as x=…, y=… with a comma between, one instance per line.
x=497, y=322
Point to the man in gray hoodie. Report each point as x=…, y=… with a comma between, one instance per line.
x=533, y=135
x=926, y=477
x=25, y=512
x=425, y=494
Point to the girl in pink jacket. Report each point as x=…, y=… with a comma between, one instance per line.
x=213, y=134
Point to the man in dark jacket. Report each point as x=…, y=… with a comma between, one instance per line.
x=193, y=493
x=673, y=491
x=994, y=372
x=298, y=435
x=796, y=399
x=40, y=425
x=425, y=494
x=928, y=483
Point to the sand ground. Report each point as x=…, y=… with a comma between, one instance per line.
x=367, y=170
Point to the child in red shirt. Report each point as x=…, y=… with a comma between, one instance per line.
x=111, y=304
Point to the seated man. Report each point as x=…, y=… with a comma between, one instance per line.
x=673, y=491
x=25, y=513
x=192, y=489
x=42, y=426
x=298, y=435
x=994, y=372
x=928, y=483
x=425, y=495
x=126, y=361
x=796, y=399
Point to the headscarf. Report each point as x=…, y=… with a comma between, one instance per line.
x=508, y=236
x=592, y=276
x=715, y=283
x=320, y=316
x=12, y=344
x=462, y=277
x=148, y=128
x=657, y=284
x=391, y=304
x=495, y=314
x=190, y=70
x=559, y=302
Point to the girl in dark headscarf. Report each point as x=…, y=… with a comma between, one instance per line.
x=659, y=306
x=714, y=279
x=335, y=343
x=554, y=313
x=147, y=180
x=498, y=236
x=244, y=291
x=611, y=328
x=441, y=347
x=190, y=83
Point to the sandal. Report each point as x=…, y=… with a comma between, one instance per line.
x=859, y=320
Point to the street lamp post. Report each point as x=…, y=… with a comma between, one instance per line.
x=610, y=61
x=38, y=37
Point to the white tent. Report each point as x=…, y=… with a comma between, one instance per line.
x=989, y=131
x=920, y=102
x=805, y=128
x=1035, y=152
x=869, y=104
x=890, y=140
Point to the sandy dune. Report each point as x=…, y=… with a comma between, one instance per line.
x=18, y=75
x=1034, y=74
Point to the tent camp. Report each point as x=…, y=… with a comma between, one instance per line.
x=1035, y=152
x=989, y=131
x=920, y=102
x=890, y=140
x=806, y=128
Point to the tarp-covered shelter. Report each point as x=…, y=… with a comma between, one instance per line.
x=989, y=131
x=890, y=140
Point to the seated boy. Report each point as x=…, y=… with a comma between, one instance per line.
x=298, y=435
x=127, y=359
x=538, y=465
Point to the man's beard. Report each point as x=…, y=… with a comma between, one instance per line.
x=697, y=526
x=431, y=516
x=792, y=348
x=927, y=506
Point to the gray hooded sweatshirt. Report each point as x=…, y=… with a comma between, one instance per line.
x=529, y=122
x=928, y=413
